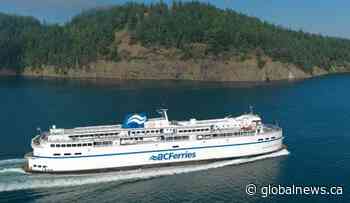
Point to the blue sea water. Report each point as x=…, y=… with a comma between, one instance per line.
x=314, y=113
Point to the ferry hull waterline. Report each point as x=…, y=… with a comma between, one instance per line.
x=141, y=142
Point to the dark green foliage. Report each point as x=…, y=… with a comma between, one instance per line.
x=24, y=41
x=12, y=39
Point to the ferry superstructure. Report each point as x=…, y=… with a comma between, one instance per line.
x=143, y=142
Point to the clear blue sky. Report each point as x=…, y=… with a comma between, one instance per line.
x=328, y=17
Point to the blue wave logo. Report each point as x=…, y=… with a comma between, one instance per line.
x=135, y=120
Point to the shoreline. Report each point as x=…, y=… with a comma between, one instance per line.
x=167, y=82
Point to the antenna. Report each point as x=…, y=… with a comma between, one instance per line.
x=251, y=108
x=39, y=130
x=163, y=112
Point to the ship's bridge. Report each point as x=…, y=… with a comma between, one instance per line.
x=157, y=123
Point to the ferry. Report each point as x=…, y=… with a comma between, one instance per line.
x=148, y=142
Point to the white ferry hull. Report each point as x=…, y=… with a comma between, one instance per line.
x=157, y=154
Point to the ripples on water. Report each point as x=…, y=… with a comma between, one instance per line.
x=14, y=178
x=313, y=113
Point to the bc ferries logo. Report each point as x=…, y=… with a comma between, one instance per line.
x=135, y=120
x=173, y=156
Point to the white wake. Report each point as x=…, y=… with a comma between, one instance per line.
x=12, y=170
x=24, y=182
x=11, y=161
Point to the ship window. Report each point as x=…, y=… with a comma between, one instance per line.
x=67, y=154
x=157, y=131
x=34, y=165
x=208, y=136
x=185, y=131
x=152, y=131
x=63, y=145
x=197, y=130
x=260, y=140
x=107, y=143
x=161, y=130
x=273, y=137
x=147, y=131
x=39, y=166
x=79, y=145
x=57, y=154
x=74, y=145
x=69, y=145
x=84, y=145
x=77, y=153
x=169, y=138
x=52, y=145
x=267, y=138
x=89, y=144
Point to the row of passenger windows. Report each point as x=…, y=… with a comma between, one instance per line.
x=94, y=135
x=210, y=136
x=71, y=145
x=39, y=166
x=133, y=138
x=194, y=130
x=266, y=139
x=147, y=131
x=103, y=143
x=177, y=138
x=66, y=154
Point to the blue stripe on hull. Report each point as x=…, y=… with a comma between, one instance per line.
x=164, y=150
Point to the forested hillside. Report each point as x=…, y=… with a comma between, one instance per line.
x=90, y=36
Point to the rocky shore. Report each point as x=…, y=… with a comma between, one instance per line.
x=138, y=62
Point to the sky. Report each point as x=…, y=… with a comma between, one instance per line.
x=327, y=17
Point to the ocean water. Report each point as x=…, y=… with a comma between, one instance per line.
x=315, y=116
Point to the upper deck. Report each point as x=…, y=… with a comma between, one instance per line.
x=153, y=127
